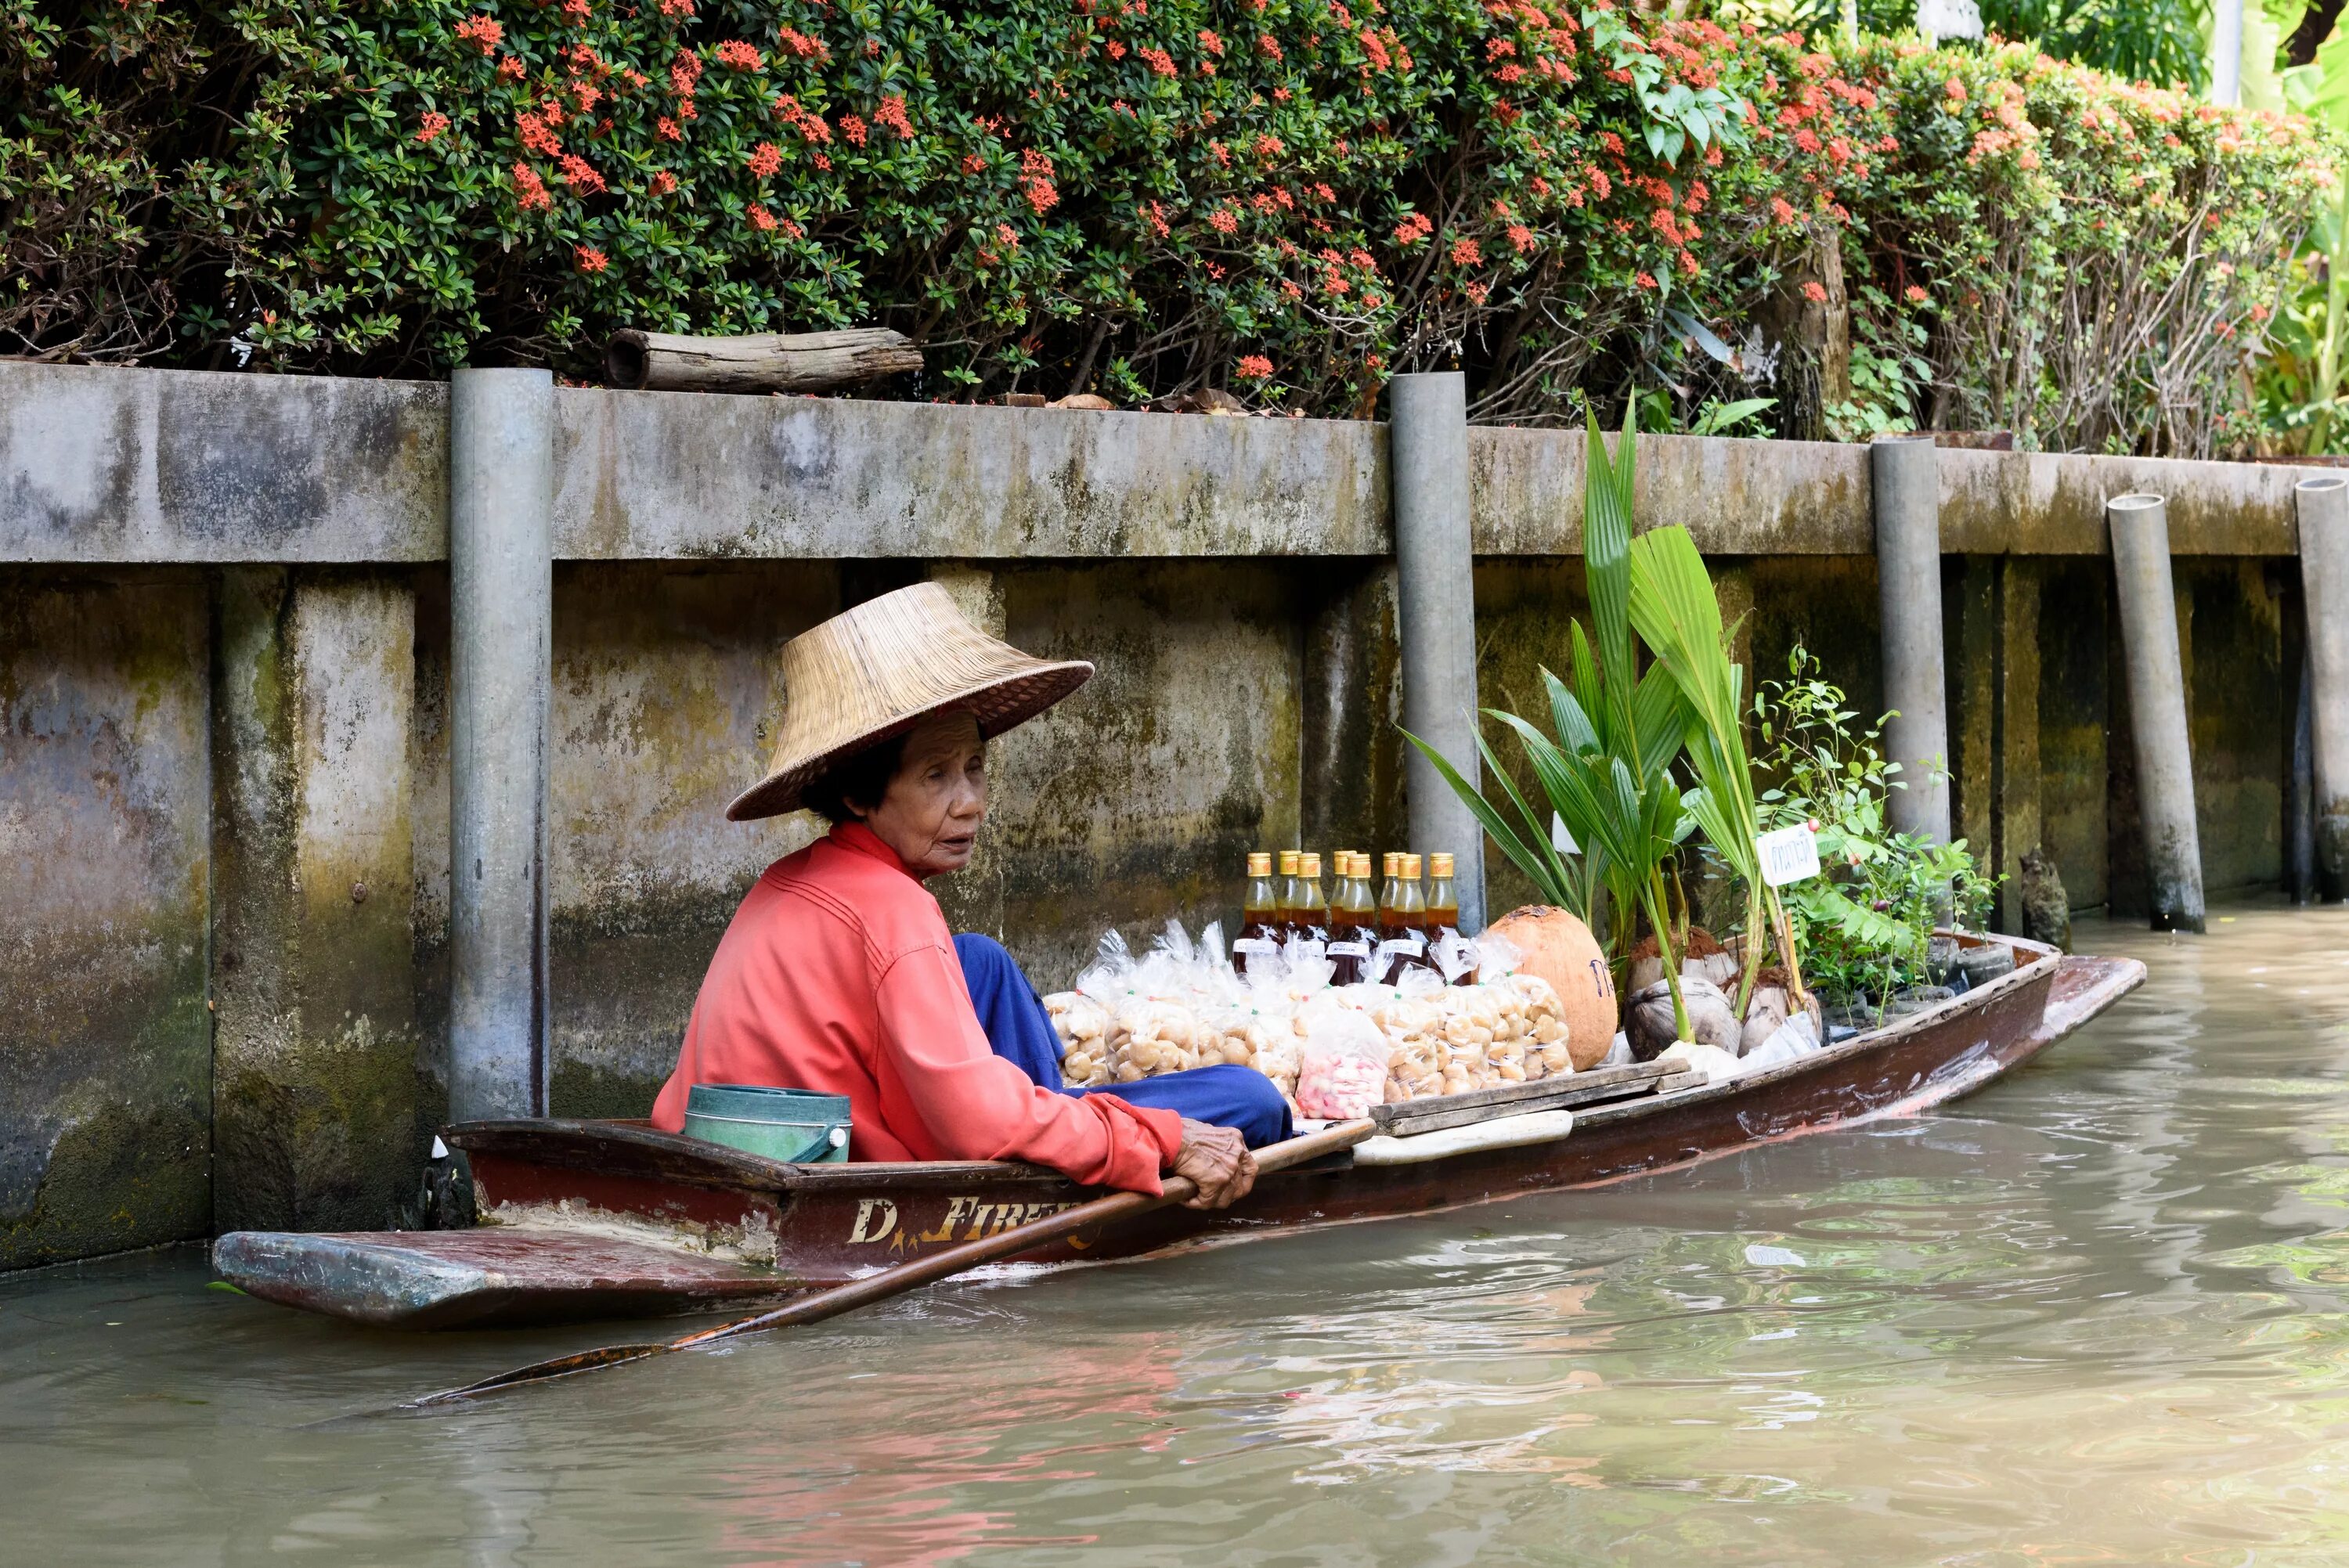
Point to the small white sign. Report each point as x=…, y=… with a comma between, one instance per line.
x=1559, y=839
x=1788, y=855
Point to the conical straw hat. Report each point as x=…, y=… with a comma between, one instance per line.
x=877, y=670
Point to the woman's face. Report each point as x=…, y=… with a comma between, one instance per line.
x=936, y=801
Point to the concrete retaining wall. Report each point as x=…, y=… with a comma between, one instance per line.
x=223, y=741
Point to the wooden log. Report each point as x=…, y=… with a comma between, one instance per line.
x=802, y=361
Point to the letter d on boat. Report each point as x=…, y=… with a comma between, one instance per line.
x=877, y=1220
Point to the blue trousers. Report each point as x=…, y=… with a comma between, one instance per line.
x=1021, y=1033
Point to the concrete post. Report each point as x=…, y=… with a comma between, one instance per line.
x=1907, y=472
x=2323, y=507
x=502, y=619
x=1427, y=450
x=2156, y=695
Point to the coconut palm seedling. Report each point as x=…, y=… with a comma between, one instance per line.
x=1605, y=769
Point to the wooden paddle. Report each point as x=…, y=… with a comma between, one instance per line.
x=908, y=1275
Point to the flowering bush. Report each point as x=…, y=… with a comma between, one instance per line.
x=2088, y=262
x=1289, y=198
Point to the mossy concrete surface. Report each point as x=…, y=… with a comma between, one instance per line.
x=315, y=1051
x=105, y=1052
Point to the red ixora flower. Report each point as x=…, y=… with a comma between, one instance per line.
x=663, y=183
x=1645, y=281
x=1815, y=293
x=511, y=68
x=482, y=30
x=1414, y=228
x=759, y=217
x=765, y=160
x=1916, y=295
x=892, y=113
x=580, y=175
x=1255, y=367
x=591, y=260
x=530, y=190
x=1465, y=252
x=433, y=125
x=734, y=51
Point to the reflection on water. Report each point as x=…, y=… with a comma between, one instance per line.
x=2092, y=1315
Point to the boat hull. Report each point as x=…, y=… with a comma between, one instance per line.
x=612, y=1204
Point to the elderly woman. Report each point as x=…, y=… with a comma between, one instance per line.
x=839, y=973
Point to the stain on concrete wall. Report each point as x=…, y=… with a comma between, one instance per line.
x=2075, y=724
x=315, y=1094
x=1139, y=798
x=2238, y=719
x=666, y=692
x=105, y=1044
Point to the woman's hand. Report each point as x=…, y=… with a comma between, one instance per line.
x=1217, y=1159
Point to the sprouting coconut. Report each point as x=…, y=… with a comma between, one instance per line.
x=1560, y=949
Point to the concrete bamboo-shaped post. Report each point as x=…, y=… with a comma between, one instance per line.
x=2156, y=694
x=2323, y=507
x=1427, y=456
x=501, y=618
x=1906, y=476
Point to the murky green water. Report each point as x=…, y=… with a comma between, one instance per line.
x=2092, y=1315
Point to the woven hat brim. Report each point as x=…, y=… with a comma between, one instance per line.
x=999, y=705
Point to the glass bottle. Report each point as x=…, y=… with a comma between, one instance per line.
x=1411, y=911
x=1398, y=940
x=1353, y=921
x=1313, y=907
x=1444, y=908
x=1260, y=915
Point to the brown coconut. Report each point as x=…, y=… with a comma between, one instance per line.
x=1561, y=950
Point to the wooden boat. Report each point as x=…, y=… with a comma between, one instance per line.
x=602, y=1219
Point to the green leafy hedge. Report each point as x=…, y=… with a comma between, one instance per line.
x=1289, y=198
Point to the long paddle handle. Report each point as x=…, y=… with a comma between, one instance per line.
x=1010, y=1244
x=916, y=1272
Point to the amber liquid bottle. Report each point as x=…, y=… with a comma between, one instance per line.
x=1397, y=939
x=1410, y=910
x=1313, y=907
x=1444, y=908
x=1259, y=934
x=1353, y=921
x=1289, y=895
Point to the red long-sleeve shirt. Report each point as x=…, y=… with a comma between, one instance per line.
x=838, y=973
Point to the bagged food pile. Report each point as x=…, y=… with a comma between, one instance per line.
x=1334, y=1051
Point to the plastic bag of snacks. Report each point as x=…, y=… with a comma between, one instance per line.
x=1544, y=1029
x=1148, y=1038
x=1083, y=1024
x=1342, y=1066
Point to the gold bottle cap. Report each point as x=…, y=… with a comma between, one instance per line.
x=1310, y=865
x=1288, y=862
x=1439, y=865
x=1394, y=863
x=1410, y=868
x=1259, y=863
x=1359, y=865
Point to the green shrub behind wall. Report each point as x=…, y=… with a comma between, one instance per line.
x=1289, y=199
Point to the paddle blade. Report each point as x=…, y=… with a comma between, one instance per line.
x=544, y=1372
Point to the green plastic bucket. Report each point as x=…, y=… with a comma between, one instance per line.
x=795, y=1125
